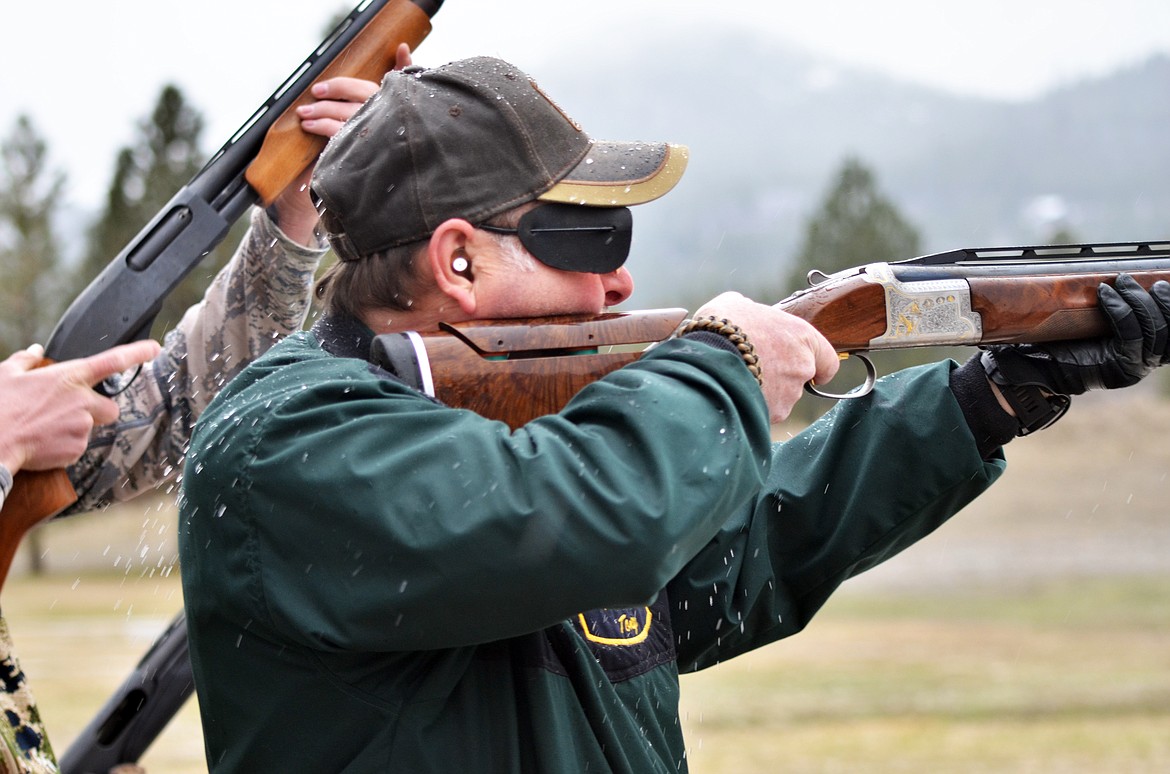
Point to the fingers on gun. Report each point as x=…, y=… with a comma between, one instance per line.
x=89, y=371
x=343, y=90
x=804, y=354
x=1137, y=316
x=24, y=360
x=96, y=368
x=828, y=362
x=799, y=354
x=402, y=58
x=337, y=100
x=1160, y=291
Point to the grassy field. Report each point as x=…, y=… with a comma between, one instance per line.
x=1067, y=676
x=1031, y=634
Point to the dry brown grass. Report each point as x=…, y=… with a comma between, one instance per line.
x=998, y=680
x=1031, y=634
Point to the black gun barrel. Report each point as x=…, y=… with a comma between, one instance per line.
x=140, y=708
x=1095, y=258
x=121, y=303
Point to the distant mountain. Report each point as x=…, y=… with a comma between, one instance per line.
x=769, y=127
x=1094, y=155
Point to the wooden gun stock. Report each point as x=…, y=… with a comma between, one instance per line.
x=36, y=495
x=1055, y=309
x=287, y=151
x=853, y=316
x=517, y=370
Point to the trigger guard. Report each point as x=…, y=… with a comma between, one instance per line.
x=112, y=386
x=856, y=392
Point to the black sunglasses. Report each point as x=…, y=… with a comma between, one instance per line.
x=572, y=237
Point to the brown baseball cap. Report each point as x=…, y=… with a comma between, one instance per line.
x=473, y=139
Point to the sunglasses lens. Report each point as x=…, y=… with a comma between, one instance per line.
x=576, y=238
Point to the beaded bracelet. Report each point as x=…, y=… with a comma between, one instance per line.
x=732, y=333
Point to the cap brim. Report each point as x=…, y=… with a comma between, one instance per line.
x=621, y=174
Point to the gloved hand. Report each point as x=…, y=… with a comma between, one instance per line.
x=1140, y=321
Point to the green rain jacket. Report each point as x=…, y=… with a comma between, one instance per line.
x=377, y=583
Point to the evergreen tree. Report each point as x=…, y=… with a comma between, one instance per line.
x=147, y=173
x=1063, y=234
x=30, y=295
x=856, y=224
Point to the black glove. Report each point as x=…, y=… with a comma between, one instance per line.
x=1036, y=379
x=1140, y=321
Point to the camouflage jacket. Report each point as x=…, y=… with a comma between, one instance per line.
x=246, y=310
x=261, y=296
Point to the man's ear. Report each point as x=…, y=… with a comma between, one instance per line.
x=451, y=262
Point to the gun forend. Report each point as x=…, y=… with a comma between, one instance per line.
x=975, y=296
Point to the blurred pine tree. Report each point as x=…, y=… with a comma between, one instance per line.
x=32, y=295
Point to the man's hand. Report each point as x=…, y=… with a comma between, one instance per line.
x=46, y=414
x=1140, y=322
x=337, y=100
x=791, y=351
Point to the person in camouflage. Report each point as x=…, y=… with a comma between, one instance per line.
x=259, y=297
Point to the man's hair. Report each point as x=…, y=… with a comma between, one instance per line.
x=389, y=279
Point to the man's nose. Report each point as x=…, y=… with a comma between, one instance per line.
x=618, y=285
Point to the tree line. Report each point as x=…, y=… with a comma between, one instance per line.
x=39, y=283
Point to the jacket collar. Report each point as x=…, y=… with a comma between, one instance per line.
x=342, y=335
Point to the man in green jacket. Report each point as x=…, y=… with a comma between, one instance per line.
x=377, y=582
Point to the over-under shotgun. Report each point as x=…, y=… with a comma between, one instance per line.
x=515, y=370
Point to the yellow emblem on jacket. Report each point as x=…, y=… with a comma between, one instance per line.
x=627, y=626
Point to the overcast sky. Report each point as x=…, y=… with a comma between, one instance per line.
x=87, y=80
